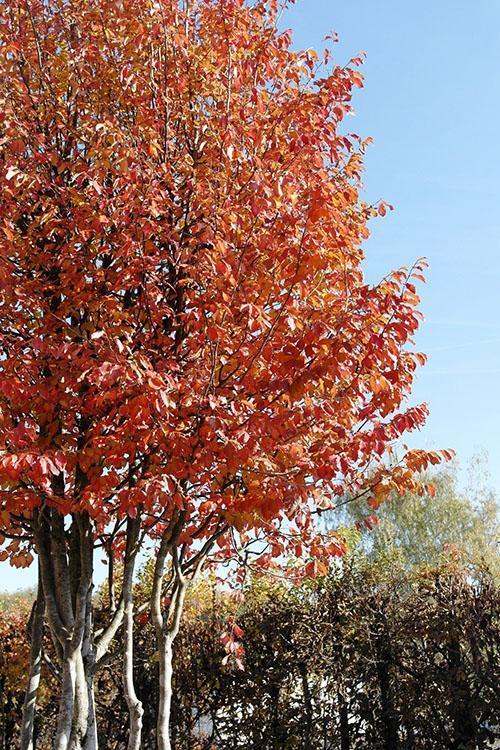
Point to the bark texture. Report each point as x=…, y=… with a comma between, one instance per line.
x=66, y=572
x=134, y=704
x=167, y=627
x=36, y=655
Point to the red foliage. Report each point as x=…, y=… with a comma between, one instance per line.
x=185, y=326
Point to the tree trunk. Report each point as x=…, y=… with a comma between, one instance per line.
x=76, y=728
x=81, y=707
x=134, y=704
x=66, y=573
x=166, y=630
x=91, y=742
x=165, y=702
x=89, y=662
x=167, y=627
x=66, y=704
x=28, y=719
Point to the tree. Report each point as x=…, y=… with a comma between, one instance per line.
x=189, y=351
x=420, y=529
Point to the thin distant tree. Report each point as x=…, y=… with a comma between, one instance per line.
x=189, y=352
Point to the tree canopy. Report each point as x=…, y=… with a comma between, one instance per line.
x=189, y=351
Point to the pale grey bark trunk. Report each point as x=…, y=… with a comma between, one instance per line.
x=76, y=705
x=166, y=630
x=89, y=661
x=80, y=635
x=81, y=706
x=160, y=625
x=76, y=726
x=66, y=574
x=66, y=704
x=135, y=708
x=58, y=618
x=91, y=741
x=167, y=627
x=28, y=719
x=165, y=702
x=134, y=704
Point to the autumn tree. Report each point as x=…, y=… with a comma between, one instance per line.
x=189, y=353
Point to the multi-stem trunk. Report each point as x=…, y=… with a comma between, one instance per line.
x=66, y=573
x=167, y=625
x=66, y=576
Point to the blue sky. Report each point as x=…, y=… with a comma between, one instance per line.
x=432, y=103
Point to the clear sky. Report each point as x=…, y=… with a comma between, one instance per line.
x=432, y=103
